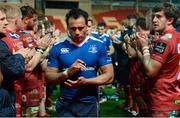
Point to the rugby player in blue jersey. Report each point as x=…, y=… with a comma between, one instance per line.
x=73, y=64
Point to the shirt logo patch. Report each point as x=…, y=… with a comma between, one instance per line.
x=14, y=36
x=24, y=32
x=64, y=50
x=177, y=101
x=92, y=49
x=167, y=36
x=160, y=47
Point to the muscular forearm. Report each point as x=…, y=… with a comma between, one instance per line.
x=100, y=80
x=56, y=77
x=151, y=66
x=33, y=62
x=105, y=78
x=45, y=54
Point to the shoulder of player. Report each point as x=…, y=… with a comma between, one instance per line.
x=105, y=35
x=10, y=35
x=170, y=35
x=94, y=39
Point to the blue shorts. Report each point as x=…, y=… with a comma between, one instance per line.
x=68, y=108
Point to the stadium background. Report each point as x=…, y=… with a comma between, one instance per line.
x=109, y=11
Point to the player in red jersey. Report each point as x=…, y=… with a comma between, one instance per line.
x=15, y=42
x=137, y=75
x=162, y=66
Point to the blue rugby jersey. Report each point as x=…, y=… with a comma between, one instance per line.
x=104, y=37
x=93, y=52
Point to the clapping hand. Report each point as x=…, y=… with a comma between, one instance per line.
x=44, y=42
x=22, y=51
x=76, y=66
x=141, y=39
x=79, y=82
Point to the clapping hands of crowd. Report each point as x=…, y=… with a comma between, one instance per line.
x=44, y=42
x=131, y=41
x=23, y=51
x=142, y=39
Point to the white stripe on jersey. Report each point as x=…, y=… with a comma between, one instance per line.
x=93, y=38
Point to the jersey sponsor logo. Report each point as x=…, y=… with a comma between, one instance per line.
x=160, y=47
x=14, y=36
x=64, y=50
x=92, y=49
x=89, y=68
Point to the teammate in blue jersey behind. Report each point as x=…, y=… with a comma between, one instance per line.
x=74, y=63
x=103, y=36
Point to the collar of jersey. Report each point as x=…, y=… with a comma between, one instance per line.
x=76, y=44
x=9, y=30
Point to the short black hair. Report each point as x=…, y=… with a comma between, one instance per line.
x=141, y=22
x=102, y=23
x=131, y=17
x=76, y=13
x=27, y=11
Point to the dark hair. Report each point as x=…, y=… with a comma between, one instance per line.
x=170, y=10
x=76, y=13
x=27, y=11
x=90, y=19
x=141, y=22
x=102, y=23
x=131, y=17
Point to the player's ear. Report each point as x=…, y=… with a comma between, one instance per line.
x=170, y=20
x=25, y=20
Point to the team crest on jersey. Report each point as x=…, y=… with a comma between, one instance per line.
x=178, y=48
x=167, y=36
x=92, y=49
x=14, y=36
x=160, y=47
x=64, y=50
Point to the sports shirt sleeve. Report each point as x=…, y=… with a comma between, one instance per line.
x=104, y=59
x=161, y=50
x=11, y=64
x=53, y=58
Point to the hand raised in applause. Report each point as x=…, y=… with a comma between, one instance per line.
x=22, y=51
x=44, y=42
x=141, y=39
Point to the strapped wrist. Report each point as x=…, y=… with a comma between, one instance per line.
x=65, y=73
x=40, y=50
